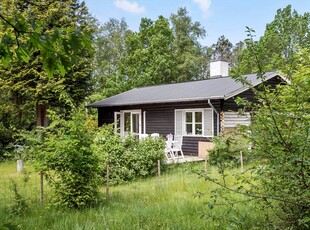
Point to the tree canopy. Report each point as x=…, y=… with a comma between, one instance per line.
x=46, y=60
x=276, y=48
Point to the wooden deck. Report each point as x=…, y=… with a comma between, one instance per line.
x=186, y=159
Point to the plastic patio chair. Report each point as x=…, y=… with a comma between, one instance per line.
x=168, y=149
x=177, y=147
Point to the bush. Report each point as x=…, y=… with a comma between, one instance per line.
x=226, y=152
x=128, y=158
x=64, y=153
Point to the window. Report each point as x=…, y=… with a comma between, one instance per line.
x=194, y=122
x=128, y=121
x=117, y=122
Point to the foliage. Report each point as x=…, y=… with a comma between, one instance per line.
x=64, y=153
x=162, y=51
x=190, y=56
x=279, y=183
x=222, y=50
x=281, y=135
x=128, y=158
x=20, y=205
x=110, y=46
x=25, y=32
x=149, y=57
x=49, y=63
x=275, y=50
x=226, y=152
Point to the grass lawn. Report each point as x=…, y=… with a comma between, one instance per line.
x=146, y=204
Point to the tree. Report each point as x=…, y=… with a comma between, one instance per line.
x=288, y=31
x=149, y=57
x=21, y=35
x=281, y=135
x=222, y=50
x=110, y=46
x=278, y=182
x=42, y=61
x=189, y=54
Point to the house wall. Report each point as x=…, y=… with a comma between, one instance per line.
x=160, y=117
x=230, y=104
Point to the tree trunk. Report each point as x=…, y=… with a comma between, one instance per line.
x=42, y=114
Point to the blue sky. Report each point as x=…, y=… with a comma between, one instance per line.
x=218, y=17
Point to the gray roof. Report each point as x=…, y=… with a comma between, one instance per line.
x=213, y=88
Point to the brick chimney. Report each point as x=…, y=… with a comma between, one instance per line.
x=218, y=69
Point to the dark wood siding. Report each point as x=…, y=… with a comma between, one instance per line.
x=190, y=145
x=160, y=117
x=160, y=121
x=230, y=104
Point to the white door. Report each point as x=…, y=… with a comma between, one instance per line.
x=130, y=122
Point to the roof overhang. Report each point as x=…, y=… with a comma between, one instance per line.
x=245, y=88
x=180, y=100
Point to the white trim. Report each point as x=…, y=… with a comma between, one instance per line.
x=193, y=121
x=115, y=121
x=136, y=111
x=144, y=122
x=212, y=122
x=202, y=110
x=175, y=121
x=217, y=118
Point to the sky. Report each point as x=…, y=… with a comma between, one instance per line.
x=218, y=17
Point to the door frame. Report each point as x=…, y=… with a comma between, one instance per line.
x=122, y=121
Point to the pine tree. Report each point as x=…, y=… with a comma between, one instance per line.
x=27, y=87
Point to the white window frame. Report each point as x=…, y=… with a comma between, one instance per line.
x=193, y=111
x=202, y=110
x=116, y=130
x=122, y=121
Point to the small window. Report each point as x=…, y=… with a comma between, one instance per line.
x=193, y=122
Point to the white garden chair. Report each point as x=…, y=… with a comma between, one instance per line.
x=168, y=149
x=177, y=147
x=155, y=135
x=143, y=136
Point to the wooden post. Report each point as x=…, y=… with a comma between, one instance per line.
x=41, y=188
x=241, y=161
x=107, y=184
x=206, y=164
x=158, y=168
x=42, y=121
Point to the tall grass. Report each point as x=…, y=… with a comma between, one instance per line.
x=168, y=203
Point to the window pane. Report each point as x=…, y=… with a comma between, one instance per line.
x=198, y=129
x=118, y=122
x=189, y=129
x=198, y=117
x=127, y=122
x=135, y=123
x=189, y=116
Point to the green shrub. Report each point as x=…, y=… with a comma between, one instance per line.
x=226, y=152
x=20, y=205
x=128, y=158
x=64, y=153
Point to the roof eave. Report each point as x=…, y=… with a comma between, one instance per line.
x=157, y=102
x=245, y=88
